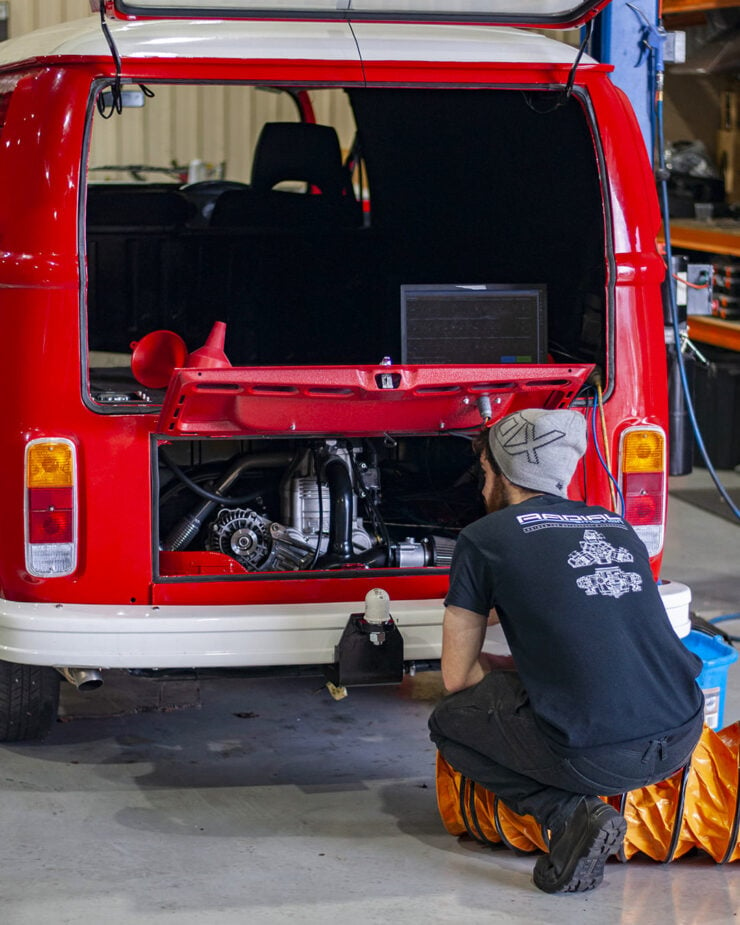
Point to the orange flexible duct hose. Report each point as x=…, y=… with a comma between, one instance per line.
x=696, y=808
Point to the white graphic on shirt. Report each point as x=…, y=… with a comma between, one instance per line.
x=609, y=580
x=595, y=550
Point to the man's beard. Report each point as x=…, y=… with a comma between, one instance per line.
x=497, y=499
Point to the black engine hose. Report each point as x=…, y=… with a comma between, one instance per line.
x=340, y=514
x=240, y=466
x=188, y=527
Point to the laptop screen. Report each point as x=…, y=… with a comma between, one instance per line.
x=473, y=324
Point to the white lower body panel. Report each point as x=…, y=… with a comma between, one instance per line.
x=219, y=636
x=224, y=636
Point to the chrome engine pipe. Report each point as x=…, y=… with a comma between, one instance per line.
x=84, y=679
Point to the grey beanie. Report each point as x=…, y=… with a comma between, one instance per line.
x=539, y=450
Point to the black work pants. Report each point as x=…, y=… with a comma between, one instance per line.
x=489, y=733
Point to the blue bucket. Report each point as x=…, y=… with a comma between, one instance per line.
x=717, y=657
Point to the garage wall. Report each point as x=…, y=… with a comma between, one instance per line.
x=214, y=126
x=26, y=15
x=217, y=127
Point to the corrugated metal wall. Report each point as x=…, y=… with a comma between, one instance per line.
x=213, y=125
x=26, y=15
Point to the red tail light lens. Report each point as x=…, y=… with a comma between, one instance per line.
x=51, y=507
x=643, y=497
x=51, y=527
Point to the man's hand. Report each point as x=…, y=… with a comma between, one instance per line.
x=463, y=633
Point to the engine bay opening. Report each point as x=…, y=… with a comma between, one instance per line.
x=272, y=508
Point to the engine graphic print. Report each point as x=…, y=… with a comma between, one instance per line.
x=608, y=579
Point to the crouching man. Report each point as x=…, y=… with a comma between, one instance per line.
x=600, y=696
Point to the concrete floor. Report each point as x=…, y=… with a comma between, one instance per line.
x=265, y=801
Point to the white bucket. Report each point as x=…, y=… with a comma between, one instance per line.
x=677, y=602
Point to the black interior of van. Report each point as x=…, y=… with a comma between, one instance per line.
x=474, y=186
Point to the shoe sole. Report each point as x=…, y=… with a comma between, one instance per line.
x=603, y=838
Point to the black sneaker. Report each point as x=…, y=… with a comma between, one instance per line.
x=579, y=850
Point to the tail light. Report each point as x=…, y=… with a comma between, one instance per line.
x=51, y=507
x=642, y=458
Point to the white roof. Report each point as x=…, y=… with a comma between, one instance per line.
x=306, y=40
x=434, y=42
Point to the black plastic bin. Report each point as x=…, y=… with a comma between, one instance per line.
x=717, y=405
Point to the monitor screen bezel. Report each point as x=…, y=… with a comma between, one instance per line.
x=461, y=290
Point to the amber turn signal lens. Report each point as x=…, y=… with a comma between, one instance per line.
x=643, y=451
x=50, y=465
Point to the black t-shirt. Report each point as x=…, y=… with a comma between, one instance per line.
x=584, y=619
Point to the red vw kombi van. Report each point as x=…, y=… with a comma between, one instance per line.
x=243, y=385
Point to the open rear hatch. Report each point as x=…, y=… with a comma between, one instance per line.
x=537, y=13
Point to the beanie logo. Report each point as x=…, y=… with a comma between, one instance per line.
x=518, y=436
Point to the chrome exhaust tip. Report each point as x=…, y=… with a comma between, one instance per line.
x=84, y=679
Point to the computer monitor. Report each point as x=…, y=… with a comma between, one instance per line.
x=473, y=324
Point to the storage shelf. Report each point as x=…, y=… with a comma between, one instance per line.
x=715, y=331
x=718, y=237
x=692, y=6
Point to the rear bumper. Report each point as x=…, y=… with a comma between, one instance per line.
x=107, y=636
x=230, y=636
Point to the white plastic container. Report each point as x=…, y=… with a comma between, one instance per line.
x=677, y=602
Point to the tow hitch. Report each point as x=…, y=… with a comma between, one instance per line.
x=370, y=650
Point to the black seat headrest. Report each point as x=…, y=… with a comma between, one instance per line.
x=300, y=151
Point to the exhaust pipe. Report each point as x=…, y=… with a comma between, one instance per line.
x=84, y=679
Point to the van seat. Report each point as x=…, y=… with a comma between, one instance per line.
x=137, y=206
x=297, y=151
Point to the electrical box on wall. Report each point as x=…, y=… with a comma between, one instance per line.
x=694, y=286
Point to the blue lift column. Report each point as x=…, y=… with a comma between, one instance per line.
x=619, y=39
x=630, y=36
